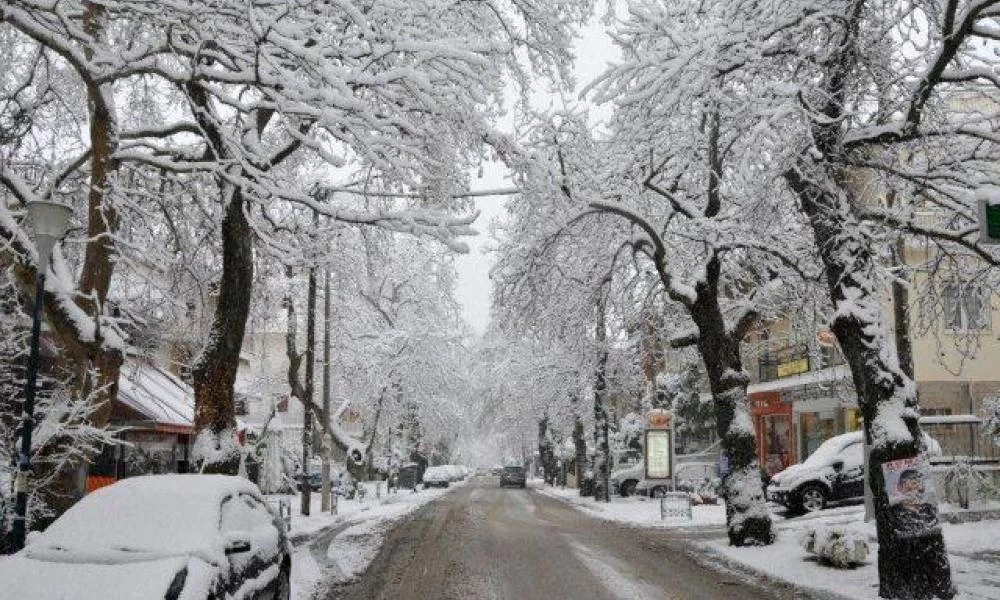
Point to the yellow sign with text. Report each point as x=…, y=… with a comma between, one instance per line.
x=793, y=367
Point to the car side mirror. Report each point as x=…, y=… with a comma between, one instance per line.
x=237, y=544
x=838, y=466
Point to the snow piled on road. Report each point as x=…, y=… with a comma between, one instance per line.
x=333, y=549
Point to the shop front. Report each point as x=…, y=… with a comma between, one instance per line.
x=772, y=419
x=822, y=414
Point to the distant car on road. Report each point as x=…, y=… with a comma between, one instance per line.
x=439, y=476
x=513, y=476
x=162, y=537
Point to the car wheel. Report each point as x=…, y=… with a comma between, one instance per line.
x=812, y=498
x=628, y=488
x=658, y=492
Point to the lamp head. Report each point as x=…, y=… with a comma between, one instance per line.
x=49, y=221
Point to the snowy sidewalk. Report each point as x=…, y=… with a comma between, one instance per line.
x=974, y=548
x=331, y=549
x=637, y=510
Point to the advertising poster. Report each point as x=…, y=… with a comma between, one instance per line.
x=658, y=454
x=912, y=501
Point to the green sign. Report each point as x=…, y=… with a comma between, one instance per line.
x=993, y=221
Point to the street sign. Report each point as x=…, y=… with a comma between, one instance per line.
x=659, y=454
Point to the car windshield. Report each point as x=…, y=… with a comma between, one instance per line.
x=828, y=450
x=513, y=470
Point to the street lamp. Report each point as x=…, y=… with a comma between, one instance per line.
x=49, y=221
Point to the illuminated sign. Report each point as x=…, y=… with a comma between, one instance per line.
x=659, y=454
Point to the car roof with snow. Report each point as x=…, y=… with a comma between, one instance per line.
x=152, y=513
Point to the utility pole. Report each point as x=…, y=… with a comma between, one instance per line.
x=325, y=415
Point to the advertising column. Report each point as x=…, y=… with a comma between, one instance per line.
x=659, y=446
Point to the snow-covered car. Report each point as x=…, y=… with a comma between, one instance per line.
x=625, y=480
x=437, y=476
x=164, y=537
x=833, y=473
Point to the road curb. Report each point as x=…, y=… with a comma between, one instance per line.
x=707, y=556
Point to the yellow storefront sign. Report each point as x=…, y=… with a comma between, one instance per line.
x=793, y=367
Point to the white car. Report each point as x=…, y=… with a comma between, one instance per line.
x=437, y=476
x=833, y=473
x=162, y=537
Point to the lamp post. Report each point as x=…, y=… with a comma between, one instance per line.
x=49, y=221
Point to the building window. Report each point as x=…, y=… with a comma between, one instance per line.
x=966, y=308
x=240, y=406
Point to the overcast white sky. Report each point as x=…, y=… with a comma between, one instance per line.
x=593, y=51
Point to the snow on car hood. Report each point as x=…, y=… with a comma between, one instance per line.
x=28, y=579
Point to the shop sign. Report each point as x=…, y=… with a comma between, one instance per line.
x=659, y=454
x=793, y=367
x=825, y=337
x=658, y=419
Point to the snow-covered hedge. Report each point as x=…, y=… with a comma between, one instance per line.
x=836, y=547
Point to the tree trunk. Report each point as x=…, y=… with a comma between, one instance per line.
x=602, y=447
x=748, y=521
x=580, y=459
x=214, y=373
x=912, y=560
x=545, y=450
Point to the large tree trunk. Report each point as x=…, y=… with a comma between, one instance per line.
x=214, y=372
x=580, y=454
x=602, y=447
x=912, y=560
x=545, y=453
x=748, y=521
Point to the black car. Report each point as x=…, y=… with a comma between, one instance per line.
x=158, y=537
x=513, y=477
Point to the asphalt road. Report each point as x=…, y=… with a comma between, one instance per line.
x=482, y=542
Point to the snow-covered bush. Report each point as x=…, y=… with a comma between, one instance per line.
x=836, y=547
x=962, y=482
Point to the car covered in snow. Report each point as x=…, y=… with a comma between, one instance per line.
x=699, y=479
x=833, y=473
x=440, y=476
x=164, y=537
x=626, y=478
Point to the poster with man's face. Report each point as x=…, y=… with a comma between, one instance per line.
x=912, y=500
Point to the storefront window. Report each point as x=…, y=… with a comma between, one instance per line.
x=816, y=427
x=777, y=443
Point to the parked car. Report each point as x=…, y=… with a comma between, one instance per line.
x=513, y=476
x=833, y=473
x=315, y=481
x=439, y=476
x=625, y=480
x=160, y=537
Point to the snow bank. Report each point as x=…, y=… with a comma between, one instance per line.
x=972, y=547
